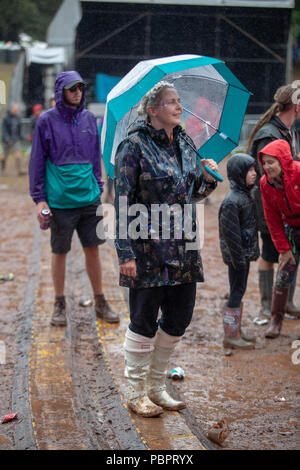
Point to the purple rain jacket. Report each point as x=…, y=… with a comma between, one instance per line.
x=64, y=166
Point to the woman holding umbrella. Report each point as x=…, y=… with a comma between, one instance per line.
x=157, y=166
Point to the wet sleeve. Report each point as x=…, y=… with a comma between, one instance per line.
x=97, y=158
x=231, y=234
x=37, y=163
x=202, y=188
x=126, y=180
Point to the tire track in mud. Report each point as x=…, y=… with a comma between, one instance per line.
x=24, y=434
x=97, y=391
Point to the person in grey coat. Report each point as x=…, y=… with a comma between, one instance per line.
x=239, y=244
x=11, y=137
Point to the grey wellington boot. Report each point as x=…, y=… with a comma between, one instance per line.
x=246, y=337
x=265, y=281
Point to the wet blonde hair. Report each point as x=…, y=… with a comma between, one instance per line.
x=152, y=98
x=282, y=102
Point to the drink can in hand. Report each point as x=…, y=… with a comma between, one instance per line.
x=46, y=219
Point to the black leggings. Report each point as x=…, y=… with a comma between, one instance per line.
x=176, y=304
x=238, y=283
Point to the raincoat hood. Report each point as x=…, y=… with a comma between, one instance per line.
x=281, y=150
x=63, y=79
x=158, y=135
x=237, y=168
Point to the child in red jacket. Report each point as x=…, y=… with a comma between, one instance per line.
x=280, y=190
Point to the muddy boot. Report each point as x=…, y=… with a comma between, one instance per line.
x=232, y=329
x=246, y=337
x=137, y=368
x=103, y=310
x=59, y=316
x=19, y=166
x=279, y=300
x=3, y=166
x=156, y=384
x=291, y=309
x=265, y=281
x=137, y=359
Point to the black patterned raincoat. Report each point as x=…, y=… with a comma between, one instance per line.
x=156, y=178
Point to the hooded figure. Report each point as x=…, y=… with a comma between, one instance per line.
x=280, y=190
x=239, y=244
x=237, y=215
x=64, y=167
x=281, y=201
x=65, y=179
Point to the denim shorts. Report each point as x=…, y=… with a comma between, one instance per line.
x=82, y=219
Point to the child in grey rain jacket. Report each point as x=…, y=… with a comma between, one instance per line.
x=239, y=243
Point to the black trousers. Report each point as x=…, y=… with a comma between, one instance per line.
x=176, y=304
x=238, y=283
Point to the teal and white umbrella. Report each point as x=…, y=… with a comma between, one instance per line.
x=213, y=99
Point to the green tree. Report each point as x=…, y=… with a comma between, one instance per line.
x=296, y=20
x=29, y=16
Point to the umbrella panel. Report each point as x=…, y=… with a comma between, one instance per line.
x=202, y=98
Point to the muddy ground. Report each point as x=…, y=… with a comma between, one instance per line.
x=257, y=391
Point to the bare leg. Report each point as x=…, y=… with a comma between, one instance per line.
x=93, y=268
x=94, y=271
x=58, y=273
x=265, y=265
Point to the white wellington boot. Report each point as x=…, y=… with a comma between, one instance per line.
x=156, y=383
x=137, y=368
x=137, y=360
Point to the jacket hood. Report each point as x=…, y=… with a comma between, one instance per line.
x=281, y=150
x=238, y=166
x=158, y=135
x=63, y=79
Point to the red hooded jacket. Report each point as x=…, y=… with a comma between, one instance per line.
x=281, y=204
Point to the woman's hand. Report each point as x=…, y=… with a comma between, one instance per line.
x=128, y=268
x=39, y=207
x=285, y=258
x=212, y=165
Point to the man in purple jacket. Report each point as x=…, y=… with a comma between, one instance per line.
x=65, y=177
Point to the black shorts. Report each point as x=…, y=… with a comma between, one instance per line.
x=82, y=219
x=269, y=252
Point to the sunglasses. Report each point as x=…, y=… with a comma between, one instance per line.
x=80, y=86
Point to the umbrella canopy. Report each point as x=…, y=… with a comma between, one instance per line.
x=213, y=99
